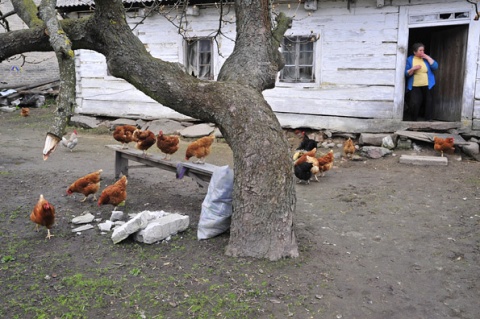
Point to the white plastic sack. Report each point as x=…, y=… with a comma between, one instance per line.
x=217, y=205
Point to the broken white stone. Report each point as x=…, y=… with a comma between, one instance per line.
x=82, y=228
x=161, y=228
x=388, y=142
x=133, y=225
x=83, y=219
x=106, y=226
x=116, y=215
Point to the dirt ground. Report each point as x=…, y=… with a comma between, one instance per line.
x=377, y=240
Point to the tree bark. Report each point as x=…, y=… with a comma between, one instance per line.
x=264, y=194
x=61, y=44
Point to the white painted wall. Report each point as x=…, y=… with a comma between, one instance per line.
x=360, y=58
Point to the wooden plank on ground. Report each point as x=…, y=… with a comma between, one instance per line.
x=428, y=137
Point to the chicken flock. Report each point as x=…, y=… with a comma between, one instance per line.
x=307, y=165
x=43, y=213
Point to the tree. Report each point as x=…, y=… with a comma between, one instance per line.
x=264, y=195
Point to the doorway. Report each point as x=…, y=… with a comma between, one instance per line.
x=447, y=45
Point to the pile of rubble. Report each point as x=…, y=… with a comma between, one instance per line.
x=146, y=227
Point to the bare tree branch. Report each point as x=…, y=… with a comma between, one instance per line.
x=61, y=44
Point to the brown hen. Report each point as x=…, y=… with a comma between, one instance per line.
x=25, y=111
x=114, y=194
x=86, y=185
x=124, y=134
x=325, y=162
x=144, y=140
x=444, y=145
x=200, y=149
x=348, y=148
x=43, y=214
x=167, y=144
x=301, y=157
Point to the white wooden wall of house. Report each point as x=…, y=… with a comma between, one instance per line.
x=360, y=58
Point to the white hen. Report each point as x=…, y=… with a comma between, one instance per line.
x=71, y=142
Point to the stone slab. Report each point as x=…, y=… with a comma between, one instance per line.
x=424, y=160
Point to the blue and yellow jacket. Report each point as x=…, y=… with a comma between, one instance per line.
x=430, y=69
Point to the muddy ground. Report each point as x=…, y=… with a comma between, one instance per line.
x=377, y=239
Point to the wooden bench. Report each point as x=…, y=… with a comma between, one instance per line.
x=201, y=173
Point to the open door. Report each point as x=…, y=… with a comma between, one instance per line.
x=448, y=46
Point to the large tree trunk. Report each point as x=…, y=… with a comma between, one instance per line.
x=264, y=194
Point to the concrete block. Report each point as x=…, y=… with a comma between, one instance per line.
x=162, y=228
x=133, y=225
x=404, y=144
x=424, y=160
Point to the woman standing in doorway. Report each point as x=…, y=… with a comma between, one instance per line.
x=420, y=81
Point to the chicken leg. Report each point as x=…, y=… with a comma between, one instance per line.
x=48, y=234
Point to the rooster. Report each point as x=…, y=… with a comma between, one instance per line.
x=114, y=194
x=88, y=184
x=200, y=148
x=167, y=144
x=444, y=145
x=71, y=142
x=348, y=148
x=144, y=140
x=43, y=214
x=124, y=134
x=307, y=144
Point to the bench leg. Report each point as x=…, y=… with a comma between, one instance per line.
x=121, y=165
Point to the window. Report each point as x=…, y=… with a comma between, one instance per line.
x=299, y=62
x=199, y=58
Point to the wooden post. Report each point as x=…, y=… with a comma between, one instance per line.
x=121, y=165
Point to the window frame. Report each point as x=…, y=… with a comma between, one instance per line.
x=298, y=40
x=199, y=50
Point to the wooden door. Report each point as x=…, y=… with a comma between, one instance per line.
x=448, y=46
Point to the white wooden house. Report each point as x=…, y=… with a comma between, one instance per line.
x=345, y=61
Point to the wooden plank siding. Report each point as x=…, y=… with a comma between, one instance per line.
x=359, y=63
